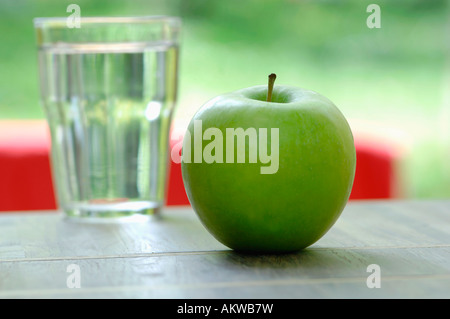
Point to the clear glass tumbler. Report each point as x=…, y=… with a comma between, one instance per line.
x=109, y=89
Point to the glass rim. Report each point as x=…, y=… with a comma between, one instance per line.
x=40, y=22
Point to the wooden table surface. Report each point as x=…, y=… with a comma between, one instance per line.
x=175, y=257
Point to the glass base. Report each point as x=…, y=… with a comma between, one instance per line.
x=112, y=213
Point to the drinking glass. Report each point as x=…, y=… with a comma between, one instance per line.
x=109, y=89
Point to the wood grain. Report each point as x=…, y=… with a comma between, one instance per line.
x=175, y=257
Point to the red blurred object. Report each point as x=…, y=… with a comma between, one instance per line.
x=176, y=195
x=26, y=182
x=375, y=176
x=25, y=178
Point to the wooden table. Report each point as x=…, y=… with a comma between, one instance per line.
x=42, y=255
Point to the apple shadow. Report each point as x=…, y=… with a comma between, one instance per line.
x=305, y=258
x=315, y=261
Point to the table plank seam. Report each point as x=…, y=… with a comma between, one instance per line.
x=134, y=255
x=382, y=247
x=206, y=252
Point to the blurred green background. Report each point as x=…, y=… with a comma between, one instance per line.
x=392, y=83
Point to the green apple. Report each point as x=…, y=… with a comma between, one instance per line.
x=290, y=195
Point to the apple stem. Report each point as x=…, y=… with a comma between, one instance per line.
x=272, y=78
